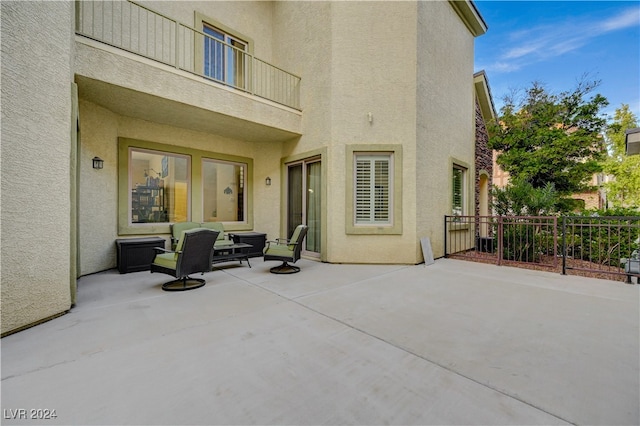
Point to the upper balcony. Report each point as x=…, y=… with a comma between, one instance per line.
x=128, y=51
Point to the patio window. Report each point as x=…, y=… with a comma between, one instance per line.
x=162, y=184
x=159, y=186
x=224, y=197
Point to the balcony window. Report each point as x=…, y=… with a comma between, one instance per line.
x=224, y=57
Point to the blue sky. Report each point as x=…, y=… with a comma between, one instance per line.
x=557, y=42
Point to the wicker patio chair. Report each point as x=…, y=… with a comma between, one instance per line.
x=286, y=251
x=194, y=253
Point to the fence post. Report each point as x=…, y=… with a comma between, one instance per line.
x=555, y=242
x=500, y=235
x=445, y=236
x=564, y=245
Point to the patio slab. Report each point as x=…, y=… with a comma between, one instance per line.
x=451, y=343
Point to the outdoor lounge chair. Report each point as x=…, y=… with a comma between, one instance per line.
x=194, y=253
x=286, y=251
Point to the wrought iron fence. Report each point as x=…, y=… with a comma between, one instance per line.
x=140, y=30
x=606, y=245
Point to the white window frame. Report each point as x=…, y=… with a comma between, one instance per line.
x=459, y=201
x=391, y=225
x=370, y=208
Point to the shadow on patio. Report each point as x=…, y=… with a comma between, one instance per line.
x=451, y=343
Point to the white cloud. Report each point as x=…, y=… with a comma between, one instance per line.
x=523, y=50
x=628, y=18
x=548, y=41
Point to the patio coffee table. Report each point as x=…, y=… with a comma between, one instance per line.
x=232, y=252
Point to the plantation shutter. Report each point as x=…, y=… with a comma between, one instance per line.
x=372, y=189
x=381, y=200
x=457, y=191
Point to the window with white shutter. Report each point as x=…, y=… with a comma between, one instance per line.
x=373, y=188
x=458, y=179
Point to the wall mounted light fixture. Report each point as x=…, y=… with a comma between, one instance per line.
x=267, y=181
x=98, y=163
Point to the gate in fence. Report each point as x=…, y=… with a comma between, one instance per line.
x=600, y=245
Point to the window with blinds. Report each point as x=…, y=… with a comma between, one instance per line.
x=458, y=191
x=372, y=189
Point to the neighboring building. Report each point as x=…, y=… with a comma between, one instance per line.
x=485, y=113
x=592, y=199
x=632, y=141
x=500, y=176
x=352, y=121
x=595, y=197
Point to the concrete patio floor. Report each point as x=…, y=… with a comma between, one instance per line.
x=452, y=343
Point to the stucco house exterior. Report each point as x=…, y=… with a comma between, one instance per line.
x=350, y=117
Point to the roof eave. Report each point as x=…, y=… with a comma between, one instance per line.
x=470, y=15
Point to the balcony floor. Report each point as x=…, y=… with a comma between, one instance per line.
x=451, y=343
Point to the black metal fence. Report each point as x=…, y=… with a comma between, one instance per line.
x=600, y=246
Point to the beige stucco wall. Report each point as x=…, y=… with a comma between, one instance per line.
x=445, y=118
x=36, y=152
x=98, y=189
x=420, y=98
x=353, y=69
x=372, y=75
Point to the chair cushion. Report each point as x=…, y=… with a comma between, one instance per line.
x=167, y=260
x=216, y=226
x=279, y=250
x=178, y=228
x=295, y=236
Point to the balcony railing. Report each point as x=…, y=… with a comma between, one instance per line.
x=140, y=30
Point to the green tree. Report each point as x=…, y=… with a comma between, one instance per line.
x=547, y=138
x=520, y=198
x=624, y=190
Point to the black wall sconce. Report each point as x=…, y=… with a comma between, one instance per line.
x=98, y=163
x=267, y=181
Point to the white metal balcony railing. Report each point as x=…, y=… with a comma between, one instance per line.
x=137, y=29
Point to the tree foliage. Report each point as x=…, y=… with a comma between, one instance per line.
x=520, y=198
x=624, y=190
x=547, y=138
